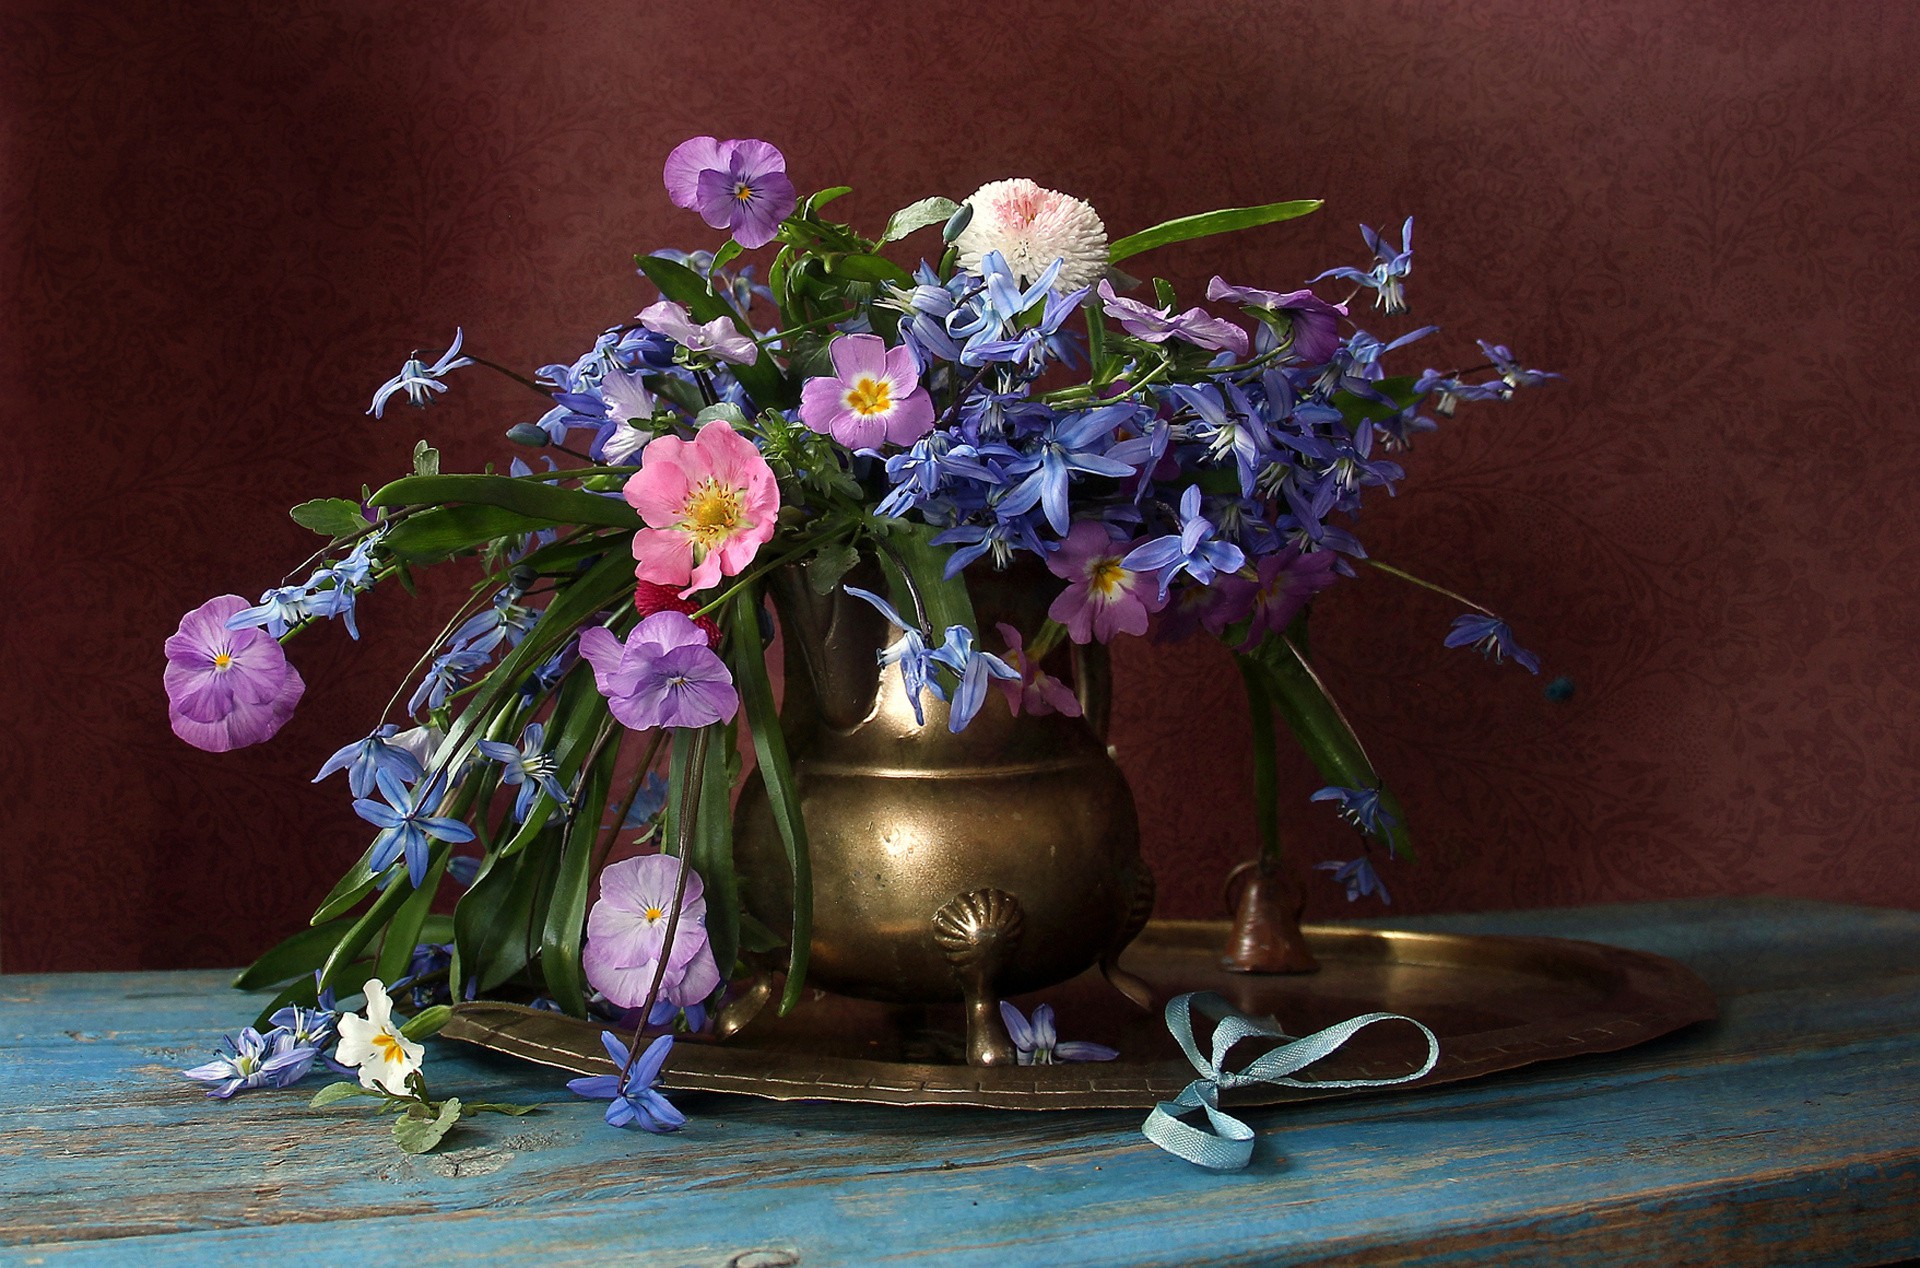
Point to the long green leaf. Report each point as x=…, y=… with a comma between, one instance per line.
x=860, y=267
x=683, y=286
x=1209, y=223
x=776, y=771
x=535, y=498
x=361, y=932
x=713, y=850
x=579, y=712
x=494, y=931
x=297, y=956
x=1314, y=719
x=567, y=909
x=403, y=931
x=947, y=600
x=445, y=531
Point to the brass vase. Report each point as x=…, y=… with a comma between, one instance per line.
x=968, y=866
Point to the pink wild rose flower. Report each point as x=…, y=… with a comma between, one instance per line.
x=708, y=503
x=873, y=394
x=1102, y=598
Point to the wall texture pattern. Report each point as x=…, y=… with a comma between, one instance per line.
x=224, y=224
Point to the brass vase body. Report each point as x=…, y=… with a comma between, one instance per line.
x=999, y=860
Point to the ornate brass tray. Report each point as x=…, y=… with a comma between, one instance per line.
x=1496, y=1003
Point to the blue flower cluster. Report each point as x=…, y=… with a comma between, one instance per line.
x=281, y=1057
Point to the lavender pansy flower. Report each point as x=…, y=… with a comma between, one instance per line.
x=1492, y=637
x=1157, y=325
x=665, y=674
x=1103, y=596
x=627, y=933
x=1314, y=322
x=419, y=380
x=405, y=824
x=635, y=1102
x=227, y=688
x=1192, y=550
x=529, y=766
x=740, y=186
x=719, y=337
x=363, y=759
x=1036, y=1042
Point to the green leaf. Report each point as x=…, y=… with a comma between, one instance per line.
x=1303, y=704
x=1399, y=389
x=1207, y=224
x=947, y=600
x=338, y=1092
x=1163, y=292
x=917, y=216
x=721, y=258
x=495, y=932
x=426, y=460
x=536, y=499
x=403, y=931
x=361, y=932
x=297, y=956
x=330, y=517
x=712, y=852
x=567, y=908
x=860, y=267
x=683, y=286
x=445, y=531
x=816, y=201
x=829, y=567
x=427, y=1022
x=756, y=937
x=1266, y=808
x=499, y=1107
x=776, y=771
x=732, y=414
x=416, y=1135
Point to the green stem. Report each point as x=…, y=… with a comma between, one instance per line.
x=1391, y=571
x=515, y=375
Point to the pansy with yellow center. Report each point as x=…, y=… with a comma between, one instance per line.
x=627, y=931
x=1103, y=597
x=873, y=395
x=709, y=506
x=374, y=1044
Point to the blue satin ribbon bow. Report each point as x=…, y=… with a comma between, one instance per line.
x=1229, y=1145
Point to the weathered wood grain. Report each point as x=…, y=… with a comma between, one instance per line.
x=1788, y=1130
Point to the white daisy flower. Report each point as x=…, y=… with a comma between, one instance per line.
x=1032, y=227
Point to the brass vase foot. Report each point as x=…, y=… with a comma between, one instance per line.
x=745, y=1006
x=978, y=932
x=1138, y=914
x=1266, y=935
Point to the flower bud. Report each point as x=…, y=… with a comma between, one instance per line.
x=529, y=434
x=957, y=223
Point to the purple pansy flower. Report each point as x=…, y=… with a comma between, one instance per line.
x=227, y=688
x=1037, y=1043
x=1103, y=597
x=1493, y=637
x=627, y=931
x=740, y=186
x=1156, y=325
x=1315, y=323
x=635, y=1102
x=720, y=336
x=663, y=675
x=1284, y=582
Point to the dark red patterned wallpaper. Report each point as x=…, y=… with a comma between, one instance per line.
x=226, y=223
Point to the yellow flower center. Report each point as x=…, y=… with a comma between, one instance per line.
x=743, y=192
x=711, y=515
x=387, y=1045
x=870, y=396
x=654, y=913
x=1106, y=577
x=221, y=660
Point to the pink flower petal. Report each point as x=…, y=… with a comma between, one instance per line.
x=855, y=356
x=663, y=556
x=911, y=418
x=684, y=165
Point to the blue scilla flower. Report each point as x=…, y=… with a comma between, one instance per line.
x=646, y=805
x=1360, y=807
x=254, y=1060
x=1193, y=550
x=310, y=1027
x=1391, y=266
x=973, y=668
x=1493, y=637
x=405, y=824
x=1358, y=876
x=909, y=651
x=529, y=766
x=1072, y=442
x=997, y=541
x=635, y=1102
x=419, y=380
x=1511, y=372
x=505, y=621
x=1037, y=1042
x=278, y=608
x=363, y=759
x=448, y=669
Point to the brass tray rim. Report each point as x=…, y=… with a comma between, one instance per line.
x=1651, y=996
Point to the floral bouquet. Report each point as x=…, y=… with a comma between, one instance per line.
x=1013, y=393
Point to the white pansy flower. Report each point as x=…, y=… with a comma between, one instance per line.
x=1032, y=227
x=383, y=1055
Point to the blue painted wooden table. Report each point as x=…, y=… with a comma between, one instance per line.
x=1788, y=1131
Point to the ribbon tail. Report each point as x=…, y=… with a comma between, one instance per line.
x=1228, y=1147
